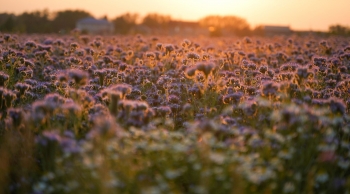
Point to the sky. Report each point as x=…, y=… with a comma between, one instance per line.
x=298, y=14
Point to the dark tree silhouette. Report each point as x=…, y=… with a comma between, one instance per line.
x=125, y=22
x=7, y=22
x=66, y=20
x=339, y=30
x=155, y=21
x=46, y=22
x=34, y=22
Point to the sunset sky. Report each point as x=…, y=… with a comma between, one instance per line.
x=298, y=14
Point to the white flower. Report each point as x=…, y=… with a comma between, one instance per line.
x=322, y=177
x=344, y=164
x=172, y=174
x=40, y=187
x=324, y=147
x=297, y=176
x=217, y=158
x=284, y=154
x=197, y=166
x=288, y=187
x=152, y=190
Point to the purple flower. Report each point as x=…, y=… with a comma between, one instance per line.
x=270, y=89
x=3, y=78
x=80, y=77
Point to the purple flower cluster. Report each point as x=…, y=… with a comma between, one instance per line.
x=247, y=93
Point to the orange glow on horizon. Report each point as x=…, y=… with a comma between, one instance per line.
x=298, y=14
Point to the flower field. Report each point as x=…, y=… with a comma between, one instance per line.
x=139, y=114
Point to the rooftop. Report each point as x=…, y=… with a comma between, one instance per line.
x=91, y=20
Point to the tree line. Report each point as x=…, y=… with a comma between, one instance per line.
x=65, y=21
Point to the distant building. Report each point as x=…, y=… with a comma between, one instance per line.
x=95, y=26
x=276, y=30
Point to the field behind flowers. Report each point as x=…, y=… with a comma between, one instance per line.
x=135, y=114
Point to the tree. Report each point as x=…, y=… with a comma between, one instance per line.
x=7, y=22
x=258, y=31
x=231, y=24
x=35, y=22
x=156, y=21
x=125, y=22
x=339, y=30
x=66, y=20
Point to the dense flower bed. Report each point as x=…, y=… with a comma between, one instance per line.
x=93, y=114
